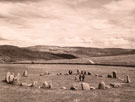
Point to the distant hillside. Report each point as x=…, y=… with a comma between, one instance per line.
x=44, y=53
x=13, y=53
x=83, y=52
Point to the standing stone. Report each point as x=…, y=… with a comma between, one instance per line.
x=75, y=78
x=85, y=72
x=25, y=74
x=85, y=86
x=83, y=77
x=128, y=79
x=101, y=85
x=34, y=84
x=7, y=77
x=82, y=72
x=50, y=86
x=80, y=77
x=17, y=79
x=45, y=85
x=11, y=79
x=78, y=72
x=114, y=74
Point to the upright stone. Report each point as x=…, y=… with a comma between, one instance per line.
x=7, y=77
x=101, y=85
x=128, y=79
x=114, y=74
x=11, y=79
x=85, y=86
x=25, y=74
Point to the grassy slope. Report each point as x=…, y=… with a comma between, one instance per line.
x=11, y=93
x=83, y=52
x=13, y=53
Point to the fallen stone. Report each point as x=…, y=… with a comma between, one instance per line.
x=116, y=85
x=64, y=88
x=107, y=87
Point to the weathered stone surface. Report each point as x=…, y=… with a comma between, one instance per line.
x=45, y=85
x=85, y=86
x=11, y=79
x=101, y=85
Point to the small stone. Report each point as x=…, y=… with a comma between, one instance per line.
x=73, y=88
x=89, y=73
x=42, y=74
x=64, y=88
x=92, y=88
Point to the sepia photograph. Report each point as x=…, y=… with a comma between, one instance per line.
x=67, y=50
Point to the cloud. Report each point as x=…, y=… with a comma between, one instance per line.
x=102, y=23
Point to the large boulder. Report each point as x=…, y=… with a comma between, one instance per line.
x=85, y=86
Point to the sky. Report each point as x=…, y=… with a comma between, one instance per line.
x=88, y=23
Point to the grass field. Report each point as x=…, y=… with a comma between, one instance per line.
x=12, y=93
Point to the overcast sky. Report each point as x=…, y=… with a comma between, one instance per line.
x=91, y=23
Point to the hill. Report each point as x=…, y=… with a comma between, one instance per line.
x=14, y=53
x=83, y=52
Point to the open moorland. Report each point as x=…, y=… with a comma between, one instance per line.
x=15, y=93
